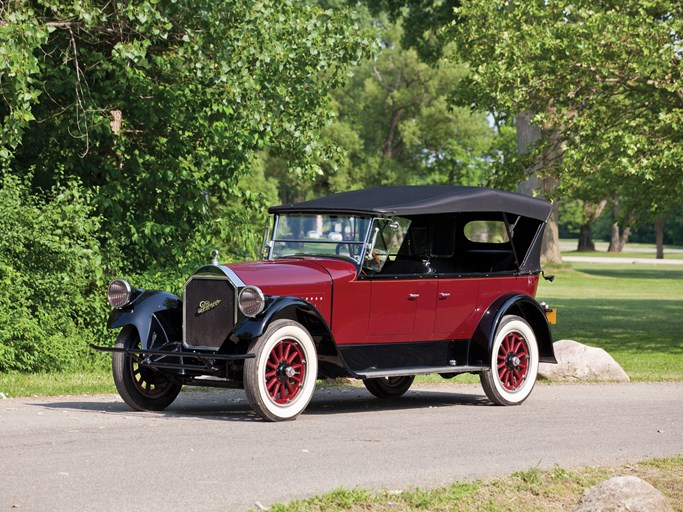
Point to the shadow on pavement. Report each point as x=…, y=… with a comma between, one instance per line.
x=232, y=405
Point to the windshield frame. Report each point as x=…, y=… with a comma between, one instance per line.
x=355, y=248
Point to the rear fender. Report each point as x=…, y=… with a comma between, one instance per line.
x=162, y=308
x=511, y=304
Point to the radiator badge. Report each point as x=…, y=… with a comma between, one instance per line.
x=207, y=305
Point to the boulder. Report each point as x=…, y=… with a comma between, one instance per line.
x=623, y=494
x=580, y=362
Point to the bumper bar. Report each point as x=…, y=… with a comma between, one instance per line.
x=166, y=353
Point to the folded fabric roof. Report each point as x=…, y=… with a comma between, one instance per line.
x=422, y=200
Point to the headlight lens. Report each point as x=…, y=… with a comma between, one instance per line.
x=251, y=301
x=119, y=293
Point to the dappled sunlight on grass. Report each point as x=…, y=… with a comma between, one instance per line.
x=635, y=313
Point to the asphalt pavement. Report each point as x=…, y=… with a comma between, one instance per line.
x=209, y=452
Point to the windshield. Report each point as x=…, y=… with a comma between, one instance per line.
x=319, y=235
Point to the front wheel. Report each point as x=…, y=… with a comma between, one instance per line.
x=280, y=380
x=514, y=363
x=389, y=387
x=141, y=387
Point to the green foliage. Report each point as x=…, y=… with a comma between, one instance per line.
x=426, y=20
x=604, y=81
x=395, y=125
x=163, y=107
x=19, y=66
x=51, y=281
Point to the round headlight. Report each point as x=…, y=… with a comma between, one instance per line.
x=251, y=301
x=119, y=293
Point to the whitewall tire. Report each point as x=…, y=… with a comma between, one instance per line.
x=280, y=380
x=514, y=363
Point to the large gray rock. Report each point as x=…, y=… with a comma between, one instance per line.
x=623, y=494
x=580, y=362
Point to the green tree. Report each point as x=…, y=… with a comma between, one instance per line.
x=395, y=125
x=604, y=80
x=162, y=107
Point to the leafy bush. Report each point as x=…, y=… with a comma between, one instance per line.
x=52, y=301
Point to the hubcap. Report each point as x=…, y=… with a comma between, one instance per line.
x=285, y=371
x=513, y=361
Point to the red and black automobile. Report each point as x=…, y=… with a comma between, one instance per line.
x=379, y=284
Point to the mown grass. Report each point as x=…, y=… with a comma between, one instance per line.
x=549, y=490
x=634, y=312
x=55, y=384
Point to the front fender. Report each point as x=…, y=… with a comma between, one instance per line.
x=511, y=304
x=149, y=306
x=294, y=308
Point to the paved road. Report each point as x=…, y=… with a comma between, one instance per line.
x=208, y=452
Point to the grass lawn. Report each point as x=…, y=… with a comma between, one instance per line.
x=529, y=491
x=55, y=384
x=634, y=312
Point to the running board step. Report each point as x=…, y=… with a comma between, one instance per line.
x=418, y=370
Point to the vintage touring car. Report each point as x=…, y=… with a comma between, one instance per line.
x=379, y=284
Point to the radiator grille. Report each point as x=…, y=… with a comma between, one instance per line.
x=209, y=311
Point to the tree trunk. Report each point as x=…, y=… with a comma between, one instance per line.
x=614, y=238
x=586, y=238
x=527, y=136
x=592, y=214
x=623, y=240
x=659, y=235
x=388, y=144
x=550, y=248
x=616, y=241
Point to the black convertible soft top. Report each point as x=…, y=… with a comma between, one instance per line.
x=422, y=200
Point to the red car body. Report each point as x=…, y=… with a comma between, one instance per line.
x=379, y=284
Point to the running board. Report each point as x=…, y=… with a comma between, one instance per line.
x=418, y=370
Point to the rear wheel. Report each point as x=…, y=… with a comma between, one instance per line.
x=280, y=380
x=389, y=387
x=514, y=363
x=141, y=387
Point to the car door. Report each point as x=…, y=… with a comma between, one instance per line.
x=393, y=304
x=456, y=299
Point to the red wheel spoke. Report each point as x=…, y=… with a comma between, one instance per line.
x=286, y=350
x=277, y=392
x=285, y=358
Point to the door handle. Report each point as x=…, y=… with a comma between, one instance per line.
x=444, y=295
x=413, y=296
